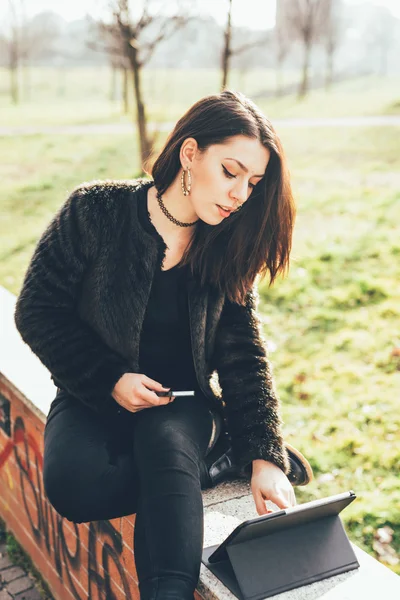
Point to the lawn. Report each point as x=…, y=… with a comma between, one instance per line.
x=80, y=96
x=332, y=326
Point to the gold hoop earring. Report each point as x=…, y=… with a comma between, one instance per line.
x=186, y=189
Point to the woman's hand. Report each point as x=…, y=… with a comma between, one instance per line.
x=133, y=391
x=269, y=482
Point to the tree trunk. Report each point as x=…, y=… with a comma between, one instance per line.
x=113, y=83
x=278, y=78
x=14, y=84
x=329, y=71
x=144, y=141
x=26, y=74
x=226, y=55
x=125, y=90
x=303, y=89
x=14, y=70
x=25, y=54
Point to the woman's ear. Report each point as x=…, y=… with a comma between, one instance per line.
x=188, y=152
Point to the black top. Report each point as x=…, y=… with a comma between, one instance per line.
x=165, y=350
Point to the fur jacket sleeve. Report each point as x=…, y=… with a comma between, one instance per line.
x=46, y=314
x=245, y=378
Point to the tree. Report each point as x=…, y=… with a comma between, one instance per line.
x=305, y=20
x=228, y=51
x=282, y=42
x=381, y=34
x=135, y=38
x=15, y=46
x=332, y=29
x=24, y=40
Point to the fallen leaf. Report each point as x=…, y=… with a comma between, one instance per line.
x=325, y=477
x=384, y=534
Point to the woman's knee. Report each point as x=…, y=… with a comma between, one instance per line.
x=71, y=481
x=61, y=493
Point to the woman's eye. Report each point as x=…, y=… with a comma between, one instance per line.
x=231, y=176
x=227, y=173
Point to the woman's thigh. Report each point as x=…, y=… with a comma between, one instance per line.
x=190, y=416
x=88, y=471
x=90, y=463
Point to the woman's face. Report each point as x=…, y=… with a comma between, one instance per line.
x=225, y=175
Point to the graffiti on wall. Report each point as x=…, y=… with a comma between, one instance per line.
x=49, y=529
x=5, y=423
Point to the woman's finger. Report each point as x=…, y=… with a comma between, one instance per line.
x=289, y=495
x=154, y=385
x=152, y=398
x=279, y=499
x=261, y=507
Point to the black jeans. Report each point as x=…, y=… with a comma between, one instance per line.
x=150, y=463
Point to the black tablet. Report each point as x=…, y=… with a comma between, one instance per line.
x=309, y=539
x=281, y=519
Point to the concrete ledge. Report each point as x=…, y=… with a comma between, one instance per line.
x=19, y=365
x=76, y=560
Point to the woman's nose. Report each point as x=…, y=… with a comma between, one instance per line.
x=239, y=192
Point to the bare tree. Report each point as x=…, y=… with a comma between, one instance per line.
x=14, y=48
x=124, y=37
x=113, y=49
x=24, y=41
x=332, y=29
x=282, y=42
x=381, y=33
x=114, y=65
x=18, y=49
x=119, y=66
x=305, y=19
x=229, y=51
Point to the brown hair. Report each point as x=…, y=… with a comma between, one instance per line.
x=257, y=239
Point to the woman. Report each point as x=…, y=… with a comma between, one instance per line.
x=137, y=287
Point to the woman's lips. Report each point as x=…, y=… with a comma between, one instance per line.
x=223, y=212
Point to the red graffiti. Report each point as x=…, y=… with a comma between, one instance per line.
x=47, y=528
x=19, y=437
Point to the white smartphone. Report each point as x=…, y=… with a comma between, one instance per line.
x=176, y=394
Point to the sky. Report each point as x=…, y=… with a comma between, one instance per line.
x=250, y=13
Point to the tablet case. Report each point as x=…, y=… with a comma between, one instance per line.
x=284, y=559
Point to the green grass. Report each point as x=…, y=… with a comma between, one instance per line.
x=334, y=322
x=80, y=96
x=37, y=174
x=362, y=96
x=331, y=325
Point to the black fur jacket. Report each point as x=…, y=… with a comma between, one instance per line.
x=82, y=305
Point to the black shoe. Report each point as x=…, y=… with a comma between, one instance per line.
x=300, y=472
x=219, y=462
x=223, y=467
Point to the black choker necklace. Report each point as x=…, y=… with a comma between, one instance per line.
x=169, y=216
